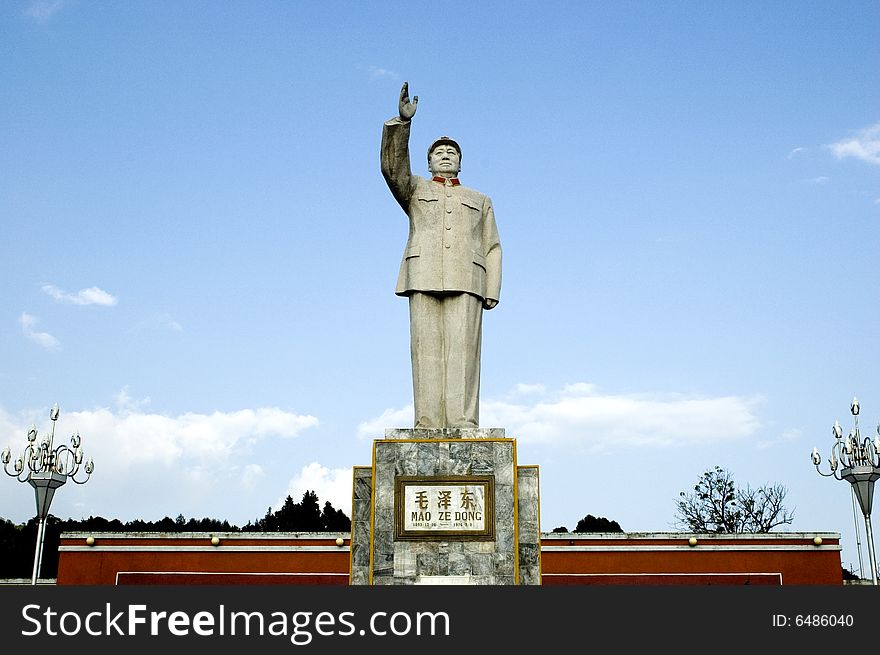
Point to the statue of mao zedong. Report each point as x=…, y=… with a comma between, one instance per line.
x=451, y=272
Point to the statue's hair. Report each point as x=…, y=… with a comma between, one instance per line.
x=441, y=141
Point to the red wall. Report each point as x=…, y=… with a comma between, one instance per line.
x=776, y=559
x=310, y=558
x=192, y=559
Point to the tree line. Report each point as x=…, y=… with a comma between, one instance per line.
x=717, y=504
x=17, y=542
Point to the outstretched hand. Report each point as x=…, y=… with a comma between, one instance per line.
x=407, y=108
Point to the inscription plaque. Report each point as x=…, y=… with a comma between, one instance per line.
x=448, y=508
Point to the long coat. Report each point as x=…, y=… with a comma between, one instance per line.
x=453, y=243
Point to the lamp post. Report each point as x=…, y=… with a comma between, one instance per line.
x=859, y=460
x=46, y=467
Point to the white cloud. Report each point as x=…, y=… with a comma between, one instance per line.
x=376, y=72
x=390, y=418
x=822, y=179
x=251, y=475
x=332, y=485
x=795, y=152
x=791, y=434
x=171, y=324
x=865, y=145
x=13, y=429
x=192, y=440
x=43, y=10
x=90, y=296
x=150, y=465
x=579, y=389
x=157, y=322
x=528, y=389
x=578, y=415
x=28, y=325
x=126, y=403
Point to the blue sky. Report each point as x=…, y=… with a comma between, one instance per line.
x=199, y=253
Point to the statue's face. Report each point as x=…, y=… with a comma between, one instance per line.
x=445, y=161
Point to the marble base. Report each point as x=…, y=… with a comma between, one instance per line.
x=444, y=433
x=512, y=556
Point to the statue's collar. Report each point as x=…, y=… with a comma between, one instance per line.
x=452, y=181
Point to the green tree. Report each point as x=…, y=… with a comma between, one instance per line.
x=717, y=505
x=304, y=516
x=592, y=523
x=285, y=517
x=17, y=542
x=16, y=554
x=309, y=514
x=334, y=520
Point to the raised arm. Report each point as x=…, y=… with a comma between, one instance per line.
x=406, y=108
x=395, y=149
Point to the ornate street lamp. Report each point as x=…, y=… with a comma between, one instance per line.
x=859, y=462
x=46, y=468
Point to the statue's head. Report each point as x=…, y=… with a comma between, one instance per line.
x=444, y=157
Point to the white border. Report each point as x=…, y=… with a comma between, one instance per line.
x=669, y=575
x=119, y=573
x=699, y=547
x=221, y=547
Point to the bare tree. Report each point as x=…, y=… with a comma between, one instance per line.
x=763, y=508
x=717, y=505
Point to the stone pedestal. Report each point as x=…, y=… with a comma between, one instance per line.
x=445, y=506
